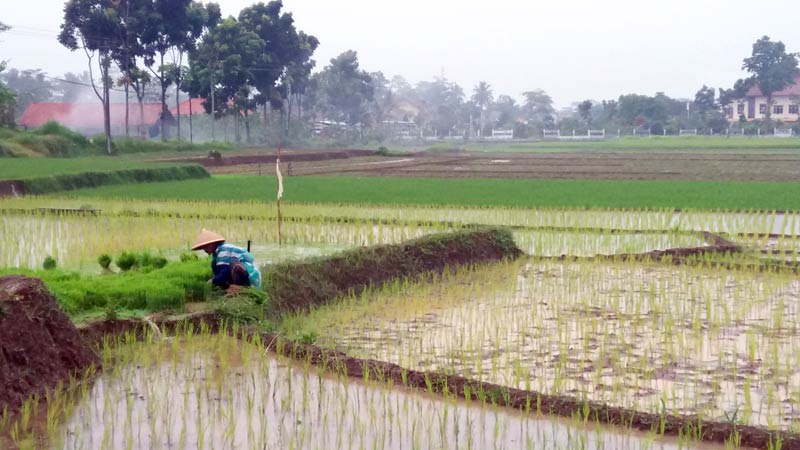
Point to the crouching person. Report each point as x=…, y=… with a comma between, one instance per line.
x=233, y=266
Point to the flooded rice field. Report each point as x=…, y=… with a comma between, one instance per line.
x=214, y=392
x=77, y=241
x=721, y=344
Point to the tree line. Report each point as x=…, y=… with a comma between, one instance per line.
x=257, y=63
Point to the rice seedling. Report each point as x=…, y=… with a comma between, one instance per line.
x=197, y=390
x=685, y=340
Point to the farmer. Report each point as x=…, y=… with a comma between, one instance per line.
x=233, y=267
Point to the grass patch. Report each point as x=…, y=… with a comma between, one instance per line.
x=55, y=140
x=27, y=168
x=717, y=195
x=67, y=182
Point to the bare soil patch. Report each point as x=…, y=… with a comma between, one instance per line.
x=584, y=165
x=39, y=345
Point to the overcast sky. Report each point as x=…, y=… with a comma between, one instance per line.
x=573, y=49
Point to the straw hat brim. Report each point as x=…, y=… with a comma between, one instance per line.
x=206, y=237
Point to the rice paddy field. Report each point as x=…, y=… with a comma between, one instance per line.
x=203, y=391
x=693, y=339
x=471, y=192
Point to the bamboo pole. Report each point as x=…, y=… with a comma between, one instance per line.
x=280, y=191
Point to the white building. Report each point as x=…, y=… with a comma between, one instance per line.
x=785, y=104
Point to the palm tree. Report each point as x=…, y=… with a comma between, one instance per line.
x=482, y=97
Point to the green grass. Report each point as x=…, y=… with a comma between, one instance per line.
x=692, y=144
x=153, y=290
x=718, y=195
x=52, y=139
x=46, y=175
x=27, y=168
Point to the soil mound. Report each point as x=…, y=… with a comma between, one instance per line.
x=39, y=345
x=298, y=286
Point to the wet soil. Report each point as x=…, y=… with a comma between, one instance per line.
x=236, y=160
x=39, y=345
x=581, y=165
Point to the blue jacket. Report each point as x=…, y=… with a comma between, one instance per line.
x=227, y=254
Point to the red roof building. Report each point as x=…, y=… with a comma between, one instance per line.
x=88, y=115
x=192, y=106
x=785, y=105
x=791, y=90
x=87, y=118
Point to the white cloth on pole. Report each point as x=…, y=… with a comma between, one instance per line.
x=280, y=178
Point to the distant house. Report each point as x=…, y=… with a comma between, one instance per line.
x=192, y=106
x=785, y=104
x=87, y=118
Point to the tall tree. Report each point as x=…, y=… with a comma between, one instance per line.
x=705, y=100
x=346, y=89
x=538, y=107
x=7, y=100
x=585, y=111
x=72, y=87
x=482, y=97
x=172, y=29
x=739, y=91
x=771, y=68
x=28, y=86
x=508, y=110
x=286, y=59
x=442, y=105
x=95, y=26
x=221, y=68
x=382, y=98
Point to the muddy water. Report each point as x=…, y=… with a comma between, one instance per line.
x=218, y=393
x=712, y=342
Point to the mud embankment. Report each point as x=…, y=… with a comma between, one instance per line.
x=39, y=345
x=237, y=160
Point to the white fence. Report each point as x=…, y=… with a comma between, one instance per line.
x=502, y=134
x=688, y=132
x=590, y=134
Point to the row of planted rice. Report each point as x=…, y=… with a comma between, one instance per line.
x=681, y=340
x=698, y=340
x=207, y=391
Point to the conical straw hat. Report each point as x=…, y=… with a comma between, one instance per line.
x=206, y=237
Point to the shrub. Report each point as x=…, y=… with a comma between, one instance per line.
x=56, y=183
x=105, y=261
x=127, y=261
x=382, y=151
x=49, y=263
